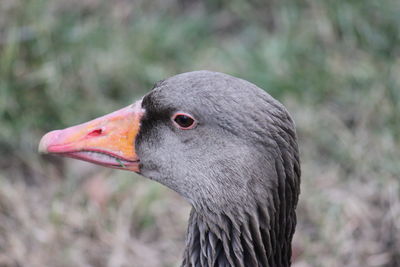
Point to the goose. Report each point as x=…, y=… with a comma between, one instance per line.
x=222, y=143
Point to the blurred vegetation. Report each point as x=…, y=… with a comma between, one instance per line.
x=334, y=64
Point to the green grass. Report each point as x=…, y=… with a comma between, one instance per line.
x=334, y=64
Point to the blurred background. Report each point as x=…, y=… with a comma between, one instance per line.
x=334, y=64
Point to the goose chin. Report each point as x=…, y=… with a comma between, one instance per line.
x=103, y=158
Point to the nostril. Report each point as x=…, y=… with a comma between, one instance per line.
x=96, y=132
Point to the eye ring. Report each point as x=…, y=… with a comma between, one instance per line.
x=184, y=121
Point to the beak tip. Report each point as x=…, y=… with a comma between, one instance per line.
x=42, y=149
x=46, y=141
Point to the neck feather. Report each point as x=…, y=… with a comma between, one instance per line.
x=253, y=238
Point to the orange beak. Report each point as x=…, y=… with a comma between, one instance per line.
x=108, y=141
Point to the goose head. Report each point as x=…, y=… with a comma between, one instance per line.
x=222, y=143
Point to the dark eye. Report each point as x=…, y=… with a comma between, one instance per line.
x=184, y=121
